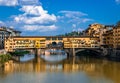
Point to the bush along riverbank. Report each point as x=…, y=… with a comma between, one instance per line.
x=4, y=58
x=19, y=53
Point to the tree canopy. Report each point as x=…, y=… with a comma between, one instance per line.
x=118, y=24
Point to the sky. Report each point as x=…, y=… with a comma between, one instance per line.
x=54, y=17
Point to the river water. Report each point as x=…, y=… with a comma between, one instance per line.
x=71, y=70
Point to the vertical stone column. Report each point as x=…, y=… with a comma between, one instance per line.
x=39, y=52
x=73, y=52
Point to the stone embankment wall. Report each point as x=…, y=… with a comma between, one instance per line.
x=111, y=52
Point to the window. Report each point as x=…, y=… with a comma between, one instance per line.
x=42, y=40
x=59, y=38
x=48, y=38
x=54, y=38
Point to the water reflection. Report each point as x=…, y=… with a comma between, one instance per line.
x=27, y=57
x=53, y=55
x=77, y=70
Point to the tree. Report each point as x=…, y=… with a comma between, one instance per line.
x=4, y=57
x=118, y=24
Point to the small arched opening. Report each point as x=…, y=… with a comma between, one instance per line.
x=60, y=44
x=54, y=44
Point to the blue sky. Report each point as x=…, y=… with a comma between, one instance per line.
x=53, y=17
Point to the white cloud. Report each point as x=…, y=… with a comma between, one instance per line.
x=72, y=14
x=29, y=2
x=19, y=2
x=12, y=27
x=33, y=10
x=80, y=29
x=35, y=14
x=74, y=17
x=9, y=2
x=39, y=28
x=86, y=20
x=2, y=23
x=35, y=18
x=117, y=1
x=74, y=25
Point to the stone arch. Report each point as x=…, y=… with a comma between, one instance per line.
x=79, y=50
x=96, y=52
x=67, y=51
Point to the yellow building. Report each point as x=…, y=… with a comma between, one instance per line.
x=24, y=42
x=21, y=42
x=81, y=42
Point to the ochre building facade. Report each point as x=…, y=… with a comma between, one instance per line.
x=21, y=42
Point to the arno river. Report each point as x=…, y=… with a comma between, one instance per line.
x=71, y=70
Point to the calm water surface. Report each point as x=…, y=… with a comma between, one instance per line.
x=72, y=70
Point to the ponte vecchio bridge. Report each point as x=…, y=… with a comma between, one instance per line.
x=71, y=45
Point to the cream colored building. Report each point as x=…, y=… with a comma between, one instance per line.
x=116, y=37
x=104, y=33
x=112, y=37
x=5, y=33
x=94, y=30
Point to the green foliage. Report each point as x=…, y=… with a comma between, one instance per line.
x=4, y=57
x=74, y=33
x=118, y=24
x=19, y=53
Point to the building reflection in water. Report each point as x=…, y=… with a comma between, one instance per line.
x=94, y=68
